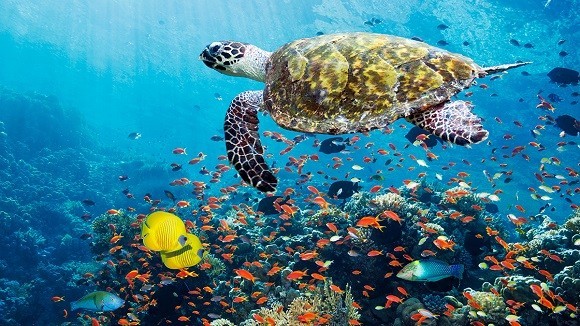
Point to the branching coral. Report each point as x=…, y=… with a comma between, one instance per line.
x=324, y=302
x=217, y=265
x=488, y=307
x=389, y=201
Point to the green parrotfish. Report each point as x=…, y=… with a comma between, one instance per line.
x=429, y=270
x=98, y=301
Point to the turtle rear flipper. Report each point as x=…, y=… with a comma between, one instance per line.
x=243, y=144
x=451, y=121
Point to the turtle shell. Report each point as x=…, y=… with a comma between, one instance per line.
x=354, y=82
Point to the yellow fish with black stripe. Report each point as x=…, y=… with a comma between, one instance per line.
x=163, y=231
x=189, y=255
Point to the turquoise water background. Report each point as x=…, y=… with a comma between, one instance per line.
x=132, y=66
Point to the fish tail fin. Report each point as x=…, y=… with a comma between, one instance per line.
x=502, y=68
x=457, y=270
x=73, y=306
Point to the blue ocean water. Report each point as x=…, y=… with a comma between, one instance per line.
x=77, y=77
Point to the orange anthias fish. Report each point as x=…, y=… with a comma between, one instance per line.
x=307, y=317
x=57, y=299
x=296, y=275
x=370, y=221
x=274, y=270
x=443, y=243
x=115, y=238
x=245, y=274
x=392, y=215
x=320, y=202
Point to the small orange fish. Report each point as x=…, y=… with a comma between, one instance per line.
x=546, y=274
x=370, y=221
x=374, y=253
x=495, y=267
x=444, y=244
x=183, y=274
x=313, y=190
x=308, y=255
x=467, y=219
x=317, y=276
x=336, y=289
x=368, y=287
x=229, y=238
x=115, y=249
x=508, y=265
x=394, y=298
x=240, y=299
x=555, y=258
x=296, y=275
x=392, y=215
x=402, y=291
x=57, y=299
x=320, y=202
x=468, y=295
x=395, y=263
x=502, y=242
x=375, y=189
x=332, y=227
x=245, y=274
x=274, y=270
x=182, y=204
x=116, y=238
x=307, y=317
x=546, y=303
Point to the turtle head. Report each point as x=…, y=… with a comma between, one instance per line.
x=236, y=59
x=223, y=54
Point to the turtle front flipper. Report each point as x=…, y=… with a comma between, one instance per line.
x=451, y=121
x=243, y=144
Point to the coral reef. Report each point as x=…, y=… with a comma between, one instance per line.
x=435, y=303
x=487, y=306
x=323, y=303
x=567, y=282
x=217, y=265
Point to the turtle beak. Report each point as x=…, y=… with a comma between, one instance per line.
x=209, y=60
x=205, y=56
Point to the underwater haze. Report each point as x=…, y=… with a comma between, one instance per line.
x=107, y=114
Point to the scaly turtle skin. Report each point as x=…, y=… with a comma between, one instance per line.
x=344, y=83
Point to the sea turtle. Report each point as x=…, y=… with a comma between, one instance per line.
x=344, y=83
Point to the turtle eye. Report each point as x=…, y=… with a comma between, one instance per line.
x=214, y=47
